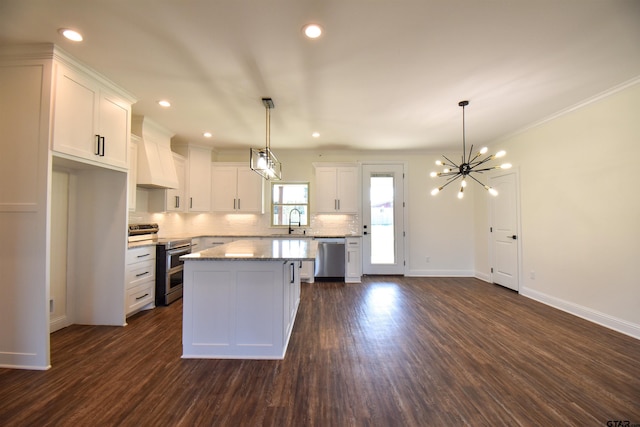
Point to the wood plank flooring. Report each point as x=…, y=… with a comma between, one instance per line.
x=391, y=351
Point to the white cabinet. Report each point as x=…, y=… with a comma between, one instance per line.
x=133, y=172
x=337, y=189
x=235, y=188
x=353, y=260
x=171, y=199
x=90, y=121
x=198, y=185
x=307, y=270
x=141, y=279
x=291, y=293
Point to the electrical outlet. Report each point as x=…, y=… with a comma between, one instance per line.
x=532, y=275
x=51, y=305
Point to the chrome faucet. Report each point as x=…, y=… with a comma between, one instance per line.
x=299, y=221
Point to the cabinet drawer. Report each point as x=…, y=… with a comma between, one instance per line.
x=142, y=253
x=139, y=296
x=140, y=272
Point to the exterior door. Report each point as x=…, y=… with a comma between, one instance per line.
x=383, y=219
x=504, y=231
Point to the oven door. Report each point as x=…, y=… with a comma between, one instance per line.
x=175, y=274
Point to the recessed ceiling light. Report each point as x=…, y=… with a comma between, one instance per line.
x=71, y=34
x=313, y=31
x=164, y=103
x=207, y=134
x=316, y=134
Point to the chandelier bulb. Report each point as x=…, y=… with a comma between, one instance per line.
x=435, y=191
x=505, y=166
x=492, y=190
x=483, y=150
x=439, y=163
x=500, y=153
x=446, y=170
x=434, y=174
x=463, y=183
x=460, y=194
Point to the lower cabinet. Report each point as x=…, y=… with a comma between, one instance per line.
x=141, y=279
x=353, y=260
x=239, y=309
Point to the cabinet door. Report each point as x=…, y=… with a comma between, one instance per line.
x=353, y=261
x=223, y=188
x=175, y=201
x=199, y=182
x=114, y=129
x=75, y=115
x=347, y=189
x=326, y=199
x=249, y=193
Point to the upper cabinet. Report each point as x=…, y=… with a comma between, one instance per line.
x=337, y=189
x=235, y=188
x=91, y=120
x=198, y=177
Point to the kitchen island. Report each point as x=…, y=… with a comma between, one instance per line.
x=241, y=298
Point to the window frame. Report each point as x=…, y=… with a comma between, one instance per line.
x=273, y=205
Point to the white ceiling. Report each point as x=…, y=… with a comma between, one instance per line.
x=386, y=74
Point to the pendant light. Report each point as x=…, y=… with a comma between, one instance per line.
x=262, y=160
x=468, y=166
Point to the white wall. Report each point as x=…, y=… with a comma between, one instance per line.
x=580, y=211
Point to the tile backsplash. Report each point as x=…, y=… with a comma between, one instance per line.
x=219, y=224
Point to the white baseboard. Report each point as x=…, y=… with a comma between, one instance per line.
x=483, y=276
x=591, y=315
x=439, y=273
x=58, y=323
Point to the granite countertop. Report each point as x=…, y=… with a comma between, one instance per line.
x=259, y=250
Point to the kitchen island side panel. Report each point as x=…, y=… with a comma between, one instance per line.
x=234, y=310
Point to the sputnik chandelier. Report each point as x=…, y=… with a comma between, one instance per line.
x=469, y=165
x=262, y=160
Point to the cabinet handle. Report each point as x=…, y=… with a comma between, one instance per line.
x=338, y=204
x=293, y=273
x=143, y=296
x=335, y=204
x=102, y=140
x=142, y=256
x=190, y=202
x=142, y=274
x=238, y=204
x=234, y=204
x=177, y=201
x=348, y=257
x=97, y=153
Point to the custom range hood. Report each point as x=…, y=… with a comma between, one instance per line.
x=156, y=168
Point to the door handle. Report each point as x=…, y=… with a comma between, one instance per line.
x=514, y=237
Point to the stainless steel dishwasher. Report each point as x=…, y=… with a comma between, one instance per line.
x=330, y=259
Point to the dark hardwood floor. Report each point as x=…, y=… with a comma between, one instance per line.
x=391, y=351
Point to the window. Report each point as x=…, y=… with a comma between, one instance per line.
x=286, y=198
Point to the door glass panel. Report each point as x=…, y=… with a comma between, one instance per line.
x=382, y=220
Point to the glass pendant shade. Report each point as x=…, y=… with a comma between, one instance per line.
x=262, y=160
x=265, y=163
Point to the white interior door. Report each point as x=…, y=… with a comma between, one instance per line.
x=504, y=231
x=383, y=219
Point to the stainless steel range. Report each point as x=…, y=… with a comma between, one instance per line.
x=169, y=268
